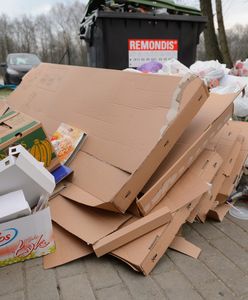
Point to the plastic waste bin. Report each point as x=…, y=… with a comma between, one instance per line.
x=118, y=40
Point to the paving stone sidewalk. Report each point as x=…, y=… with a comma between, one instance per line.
x=221, y=272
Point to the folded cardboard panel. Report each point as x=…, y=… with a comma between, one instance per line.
x=232, y=181
x=180, y=199
x=215, y=112
x=180, y=244
x=218, y=213
x=228, y=147
x=132, y=231
x=241, y=129
x=68, y=248
x=231, y=144
x=228, y=151
x=113, y=108
x=100, y=224
x=144, y=252
x=214, y=162
x=87, y=223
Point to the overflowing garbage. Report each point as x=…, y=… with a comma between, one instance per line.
x=119, y=166
x=137, y=6
x=217, y=77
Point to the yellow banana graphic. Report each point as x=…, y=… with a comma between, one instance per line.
x=42, y=151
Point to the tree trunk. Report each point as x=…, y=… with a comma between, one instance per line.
x=210, y=39
x=222, y=35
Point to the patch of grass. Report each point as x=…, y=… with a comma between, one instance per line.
x=4, y=93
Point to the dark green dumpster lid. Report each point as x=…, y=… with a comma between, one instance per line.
x=168, y=4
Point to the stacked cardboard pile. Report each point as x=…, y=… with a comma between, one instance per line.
x=160, y=151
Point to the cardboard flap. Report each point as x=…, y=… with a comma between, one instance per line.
x=68, y=248
x=207, y=165
x=180, y=244
x=128, y=252
x=203, y=126
x=231, y=182
x=132, y=231
x=188, y=188
x=153, y=244
x=236, y=148
x=118, y=118
x=86, y=223
x=74, y=193
x=208, y=114
x=219, y=212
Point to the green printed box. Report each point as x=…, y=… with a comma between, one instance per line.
x=17, y=128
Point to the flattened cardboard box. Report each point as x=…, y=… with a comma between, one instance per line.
x=231, y=143
x=17, y=128
x=87, y=223
x=215, y=112
x=68, y=248
x=229, y=151
x=132, y=121
x=144, y=253
x=218, y=213
x=178, y=200
x=205, y=168
x=234, y=128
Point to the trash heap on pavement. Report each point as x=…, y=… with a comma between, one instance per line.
x=160, y=151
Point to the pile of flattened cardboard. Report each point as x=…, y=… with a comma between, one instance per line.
x=160, y=152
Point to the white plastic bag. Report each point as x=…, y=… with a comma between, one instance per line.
x=173, y=66
x=240, y=68
x=210, y=71
x=241, y=106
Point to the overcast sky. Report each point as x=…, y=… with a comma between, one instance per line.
x=15, y=8
x=234, y=11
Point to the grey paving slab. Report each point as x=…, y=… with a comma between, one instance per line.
x=228, y=272
x=119, y=292
x=76, y=288
x=11, y=278
x=140, y=287
x=164, y=265
x=15, y=296
x=41, y=284
x=101, y=272
x=73, y=268
x=176, y=286
x=33, y=262
x=234, y=231
x=238, y=255
x=215, y=290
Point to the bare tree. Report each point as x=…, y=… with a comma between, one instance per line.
x=222, y=35
x=210, y=38
x=49, y=35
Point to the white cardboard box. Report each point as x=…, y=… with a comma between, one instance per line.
x=13, y=205
x=21, y=171
x=30, y=236
x=26, y=238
